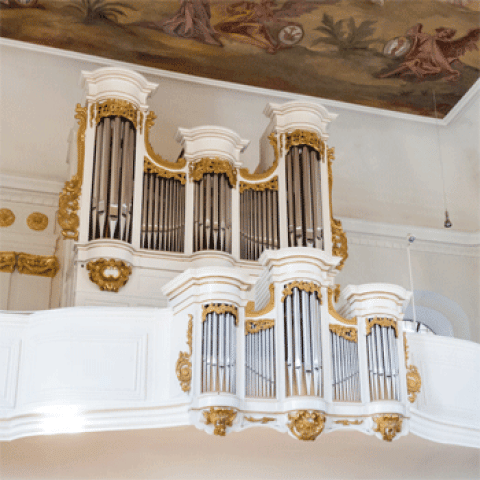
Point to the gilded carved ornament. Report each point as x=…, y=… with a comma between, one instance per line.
x=348, y=333
x=306, y=425
x=7, y=261
x=262, y=420
x=388, y=426
x=220, y=418
x=335, y=314
x=99, y=273
x=183, y=368
x=213, y=165
x=254, y=326
x=41, y=265
x=414, y=380
x=7, y=217
x=150, y=167
x=37, y=221
x=68, y=201
x=218, y=309
x=309, y=287
x=383, y=322
x=271, y=184
x=246, y=175
x=250, y=308
x=304, y=137
x=158, y=159
x=113, y=107
x=349, y=422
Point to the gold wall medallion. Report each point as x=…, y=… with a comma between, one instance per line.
x=183, y=368
x=158, y=159
x=37, y=221
x=68, y=202
x=150, y=167
x=263, y=420
x=271, y=184
x=245, y=174
x=41, y=265
x=309, y=287
x=213, y=165
x=250, y=308
x=349, y=422
x=335, y=314
x=7, y=217
x=348, y=333
x=254, y=326
x=383, y=322
x=304, y=137
x=223, y=308
x=306, y=425
x=221, y=418
x=113, y=107
x=7, y=262
x=414, y=380
x=388, y=426
x=109, y=275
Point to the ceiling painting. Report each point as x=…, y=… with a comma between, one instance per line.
x=390, y=54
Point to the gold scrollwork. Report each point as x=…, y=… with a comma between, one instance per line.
x=221, y=418
x=336, y=293
x=183, y=368
x=7, y=261
x=41, y=265
x=335, y=314
x=304, y=137
x=7, y=217
x=414, y=380
x=254, y=326
x=349, y=422
x=245, y=174
x=306, y=425
x=271, y=184
x=222, y=308
x=68, y=201
x=250, y=308
x=178, y=165
x=383, y=322
x=388, y=426
x=213, y=165
x=113, y=107
x=262, y=420
x=37, y=221
x=150, y=167
x=348, y=333
x=110, y=283
x=309, y=287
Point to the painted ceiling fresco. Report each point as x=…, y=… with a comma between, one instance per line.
x=390, y=54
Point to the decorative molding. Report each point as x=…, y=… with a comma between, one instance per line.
x=221, y=418
x=68, y=201
x=349, y=422
x=158, y=159
x=183, y=369
x=383, y=322
x=7, y=262
x=348, y=333
x=7, y=217
x=388, y=426
x=218, y=309
x=262, y=420
x=306, y=425
x=309, y=287
x=335, y=314
x=109, y=283
x=37, y=221
x=150, y=167
x=244, y=173
x=304, y=137
x=414, y=380
x=213, y=165
x=254, y=326
x=271, y=184
x=43, y=266
x=113, y=107
x=250, y=308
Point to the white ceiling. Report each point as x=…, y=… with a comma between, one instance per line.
x=387, y=167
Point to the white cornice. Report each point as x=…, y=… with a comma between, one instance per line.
x=264, y=92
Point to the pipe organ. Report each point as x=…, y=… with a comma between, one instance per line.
x=247, y=260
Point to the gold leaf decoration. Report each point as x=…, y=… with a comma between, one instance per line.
x=41, y=265
x=221, y=418
x=271, y=184
x=113, y=107
x=7, y=217
x=183, y=368
x=388, y=426
x=262, y=420
x=37, y=221
x=414, y=380
x=335, y=314
x=7, y=261
x=250, y=308
x=383, y=322
x=150, y=167
x=304, y=137
x=213, y=165
x=109, y=283
x=222, y=308
x=348, y=333
x=245, y=174
x=309, y=287
x=254, y=326
x=306, y=425
x=349, y=422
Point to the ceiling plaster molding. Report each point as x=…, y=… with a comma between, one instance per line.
x=264, y=92
x=431, y=240
x=462, y=104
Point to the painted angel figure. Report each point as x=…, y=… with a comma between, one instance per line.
x=435, y=54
